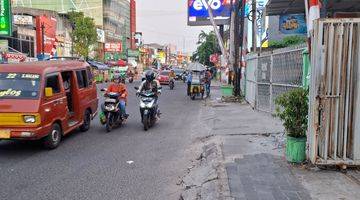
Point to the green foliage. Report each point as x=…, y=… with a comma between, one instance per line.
x=292, y=109
x=84, y=34
x=207, y=45
x=287, y=41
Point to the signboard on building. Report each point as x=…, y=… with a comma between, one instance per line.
x=23, y=20
x=4, y=46
x=101, y=35
x=133, y=53
x=5, y=18
x=45, y=25
x=214, y=58
x=292, y=24
x=113, y=47
x=138, y=39
x=198, y=14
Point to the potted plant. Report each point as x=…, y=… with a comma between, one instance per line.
x=292, y=109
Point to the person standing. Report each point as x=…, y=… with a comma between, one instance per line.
x=208, y=77
x=188, y=81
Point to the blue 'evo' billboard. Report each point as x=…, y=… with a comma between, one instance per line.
x=198, y=14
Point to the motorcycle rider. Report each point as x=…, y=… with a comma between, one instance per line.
x=151, y=84
x=118, y=86
x=172, y=75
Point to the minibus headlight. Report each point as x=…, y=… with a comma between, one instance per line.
x=29, y=119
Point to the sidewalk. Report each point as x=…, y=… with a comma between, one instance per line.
x=253, y=154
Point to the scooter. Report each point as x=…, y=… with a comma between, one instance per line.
x=112, y=114
x=148, y=108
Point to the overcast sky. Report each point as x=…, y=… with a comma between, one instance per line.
x=165, y=21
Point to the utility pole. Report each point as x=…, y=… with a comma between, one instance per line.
x=43, y=40
x=242, y=26
x=217, y=33
x=237, y=49
x=221, y=28
x=254, y=26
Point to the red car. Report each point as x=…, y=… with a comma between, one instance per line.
x=164, y=77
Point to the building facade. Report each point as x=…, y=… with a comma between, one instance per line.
x=117, y=28
x=91, y=8
x=133, y=23
x=114, y=19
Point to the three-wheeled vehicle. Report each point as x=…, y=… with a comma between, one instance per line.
x=197, y=87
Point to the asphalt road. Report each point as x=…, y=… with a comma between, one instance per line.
x=93, y=165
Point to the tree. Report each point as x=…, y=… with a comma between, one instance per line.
x=207, y=45
x=84, y=33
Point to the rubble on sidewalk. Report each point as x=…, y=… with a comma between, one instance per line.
x=206, y=178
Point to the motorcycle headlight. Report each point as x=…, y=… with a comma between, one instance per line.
x=142, y=105
x=110, y=107
x=150, y=104
x=29, y=119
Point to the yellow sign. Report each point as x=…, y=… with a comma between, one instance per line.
x=4, y=134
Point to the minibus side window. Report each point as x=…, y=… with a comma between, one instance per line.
x=89, y=76
x=82, y=79
x=52, y=81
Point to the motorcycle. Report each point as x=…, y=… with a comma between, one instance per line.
x=171, y=84
x=112, y=114
x=131, y=79
x=148, y=108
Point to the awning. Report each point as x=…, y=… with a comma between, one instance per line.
x=98, y=65
x=196, y=67
x=280, y=7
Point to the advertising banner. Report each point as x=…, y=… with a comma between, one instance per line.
x=45, y=25
x=292, y=24
x=23, y=20
x=5, y=18
x=113, y=47
x=198, y=14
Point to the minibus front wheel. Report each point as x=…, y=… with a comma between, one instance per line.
x=53, y=139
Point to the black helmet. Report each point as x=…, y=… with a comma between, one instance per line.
x=150, y=76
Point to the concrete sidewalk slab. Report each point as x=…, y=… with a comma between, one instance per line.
x=253, y=146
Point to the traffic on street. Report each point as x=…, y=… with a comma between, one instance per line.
x=179, y=100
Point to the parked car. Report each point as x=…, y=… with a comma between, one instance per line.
x=46, y=100
x=164, y=77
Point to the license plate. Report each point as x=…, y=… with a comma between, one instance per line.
x=4, y=134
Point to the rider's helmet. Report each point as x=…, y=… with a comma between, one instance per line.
x=117, y=78
x=122, y=76
x=150, y=76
